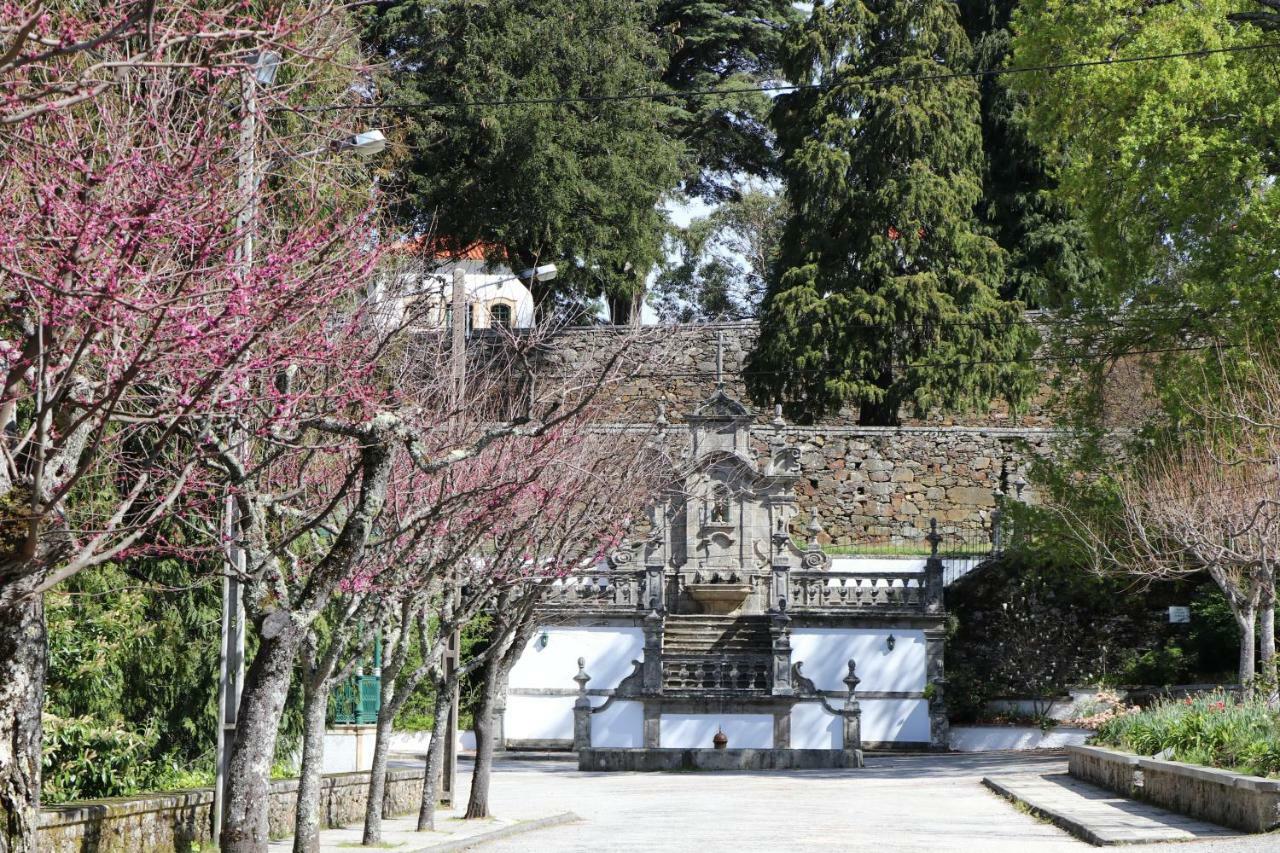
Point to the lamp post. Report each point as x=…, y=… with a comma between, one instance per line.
x=260, y=70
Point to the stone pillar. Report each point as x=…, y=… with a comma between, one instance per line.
x=781, y=636
x=654, y=588
x=933, y=573
x=582, y=709
x=851, y=713
x=935, y=640
x=651, y=673
x=652, y=724
x=782, y=729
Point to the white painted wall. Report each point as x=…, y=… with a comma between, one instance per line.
x=608, y=652
x=813, y=728
x=895, y=720
x=539, y=718
x=825, y=653
x=621, y=725
x=695, y=731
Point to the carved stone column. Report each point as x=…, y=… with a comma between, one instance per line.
x=582, y=709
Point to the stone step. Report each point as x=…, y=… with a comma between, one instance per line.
x=1098, y=816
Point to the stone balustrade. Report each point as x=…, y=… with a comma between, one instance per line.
x=810, y=591
x=807, y=591
x=705, y=674
x=620, y=591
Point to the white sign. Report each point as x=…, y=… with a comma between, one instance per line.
x=1179, y=615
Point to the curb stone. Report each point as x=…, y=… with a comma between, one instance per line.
x=1075, y=827
x=518, y=828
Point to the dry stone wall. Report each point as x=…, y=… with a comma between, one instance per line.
x=886, y=484
x=679, y=371
x=182, y=821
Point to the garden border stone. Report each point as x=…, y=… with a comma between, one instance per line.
x=1248, y=803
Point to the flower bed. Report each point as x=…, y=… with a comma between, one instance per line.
x=1214, y=729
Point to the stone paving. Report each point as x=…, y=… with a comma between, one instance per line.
x=908, y=803
x=1097, y=815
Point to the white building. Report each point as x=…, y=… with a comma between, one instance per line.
x=496, y=297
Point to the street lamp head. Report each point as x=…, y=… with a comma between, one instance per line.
x=265, y=64
x=365, y=144
x=546, y=272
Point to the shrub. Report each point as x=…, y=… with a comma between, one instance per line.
x=1215, y=729
x=86, y=759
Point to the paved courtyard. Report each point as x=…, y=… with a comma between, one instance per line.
x=899, y=803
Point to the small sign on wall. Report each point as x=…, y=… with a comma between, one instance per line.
x=1179, y=615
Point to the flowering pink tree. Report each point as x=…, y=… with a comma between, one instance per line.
x=131, y=326
x=589, y=499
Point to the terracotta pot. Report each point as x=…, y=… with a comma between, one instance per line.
x=721, y=740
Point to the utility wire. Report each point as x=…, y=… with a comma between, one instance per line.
x=980, y=73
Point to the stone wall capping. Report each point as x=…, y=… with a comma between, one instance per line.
x=1210, y=774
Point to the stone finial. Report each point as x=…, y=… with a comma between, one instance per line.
x=662, y=422
x=852, y=680
x=582, y=678
x=934, y=538
x=814, y=528
x=777, y=417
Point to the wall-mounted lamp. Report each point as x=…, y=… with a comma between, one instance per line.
x=543, y=639
x=891, y=642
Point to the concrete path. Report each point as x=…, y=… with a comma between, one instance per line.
x=1098, y=816
x=452, y=833
x=925, y=803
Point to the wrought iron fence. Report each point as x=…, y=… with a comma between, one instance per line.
x=356, y=701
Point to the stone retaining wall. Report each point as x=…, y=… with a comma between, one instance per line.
x=1248, y=803
x=182, y=821
x=1106, y=768
x=680, y=372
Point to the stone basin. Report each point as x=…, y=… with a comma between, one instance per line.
x=718, y=599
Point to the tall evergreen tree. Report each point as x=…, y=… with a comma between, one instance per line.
x=1048, y=256
x=725, y=44
x=886, y=294
x=573, y=183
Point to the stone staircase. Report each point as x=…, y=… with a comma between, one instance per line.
x=714, y=654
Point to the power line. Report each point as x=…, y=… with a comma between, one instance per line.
x=1100, y=356
x=980, y=73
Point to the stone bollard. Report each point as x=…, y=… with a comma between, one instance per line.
x=852, y=714
x=582, y=709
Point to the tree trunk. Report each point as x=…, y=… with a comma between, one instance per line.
x=378, y=777
x=1246, y=621
x=266, y=686
x=478, y=803
x=306, y=833
x=1267, y=627
x=435, y=759
x=23, y=662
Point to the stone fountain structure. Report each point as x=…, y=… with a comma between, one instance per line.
x=718, y=621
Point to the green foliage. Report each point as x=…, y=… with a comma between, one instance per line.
x=886, y=293
x=724, y=44
x=723, y=261
x=578, y=183
x=1048, y=259
x=137, y=646
x=1215, y=729
x=1171, y=166
x=1030, y=626
x=84, y=758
